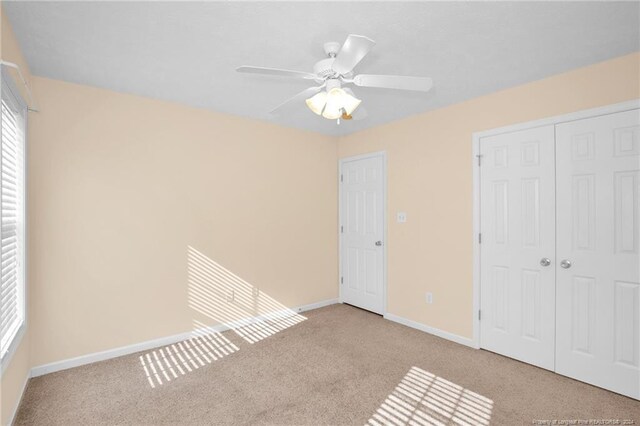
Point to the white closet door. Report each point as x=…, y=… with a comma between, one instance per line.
x=598, y=222
x=362, y=223
x=518, y=235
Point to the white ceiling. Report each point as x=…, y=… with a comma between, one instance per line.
x=188, y=51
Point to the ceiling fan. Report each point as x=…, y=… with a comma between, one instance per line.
x=329, y=99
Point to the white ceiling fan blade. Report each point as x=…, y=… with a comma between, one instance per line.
x=276, y=72
x=421, y=84
x=307, y=93
x=353, y=50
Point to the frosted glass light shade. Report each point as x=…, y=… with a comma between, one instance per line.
x=333, y=109
x=349, y=102
x=332, y=104
x=338, y=100
x=317, y=102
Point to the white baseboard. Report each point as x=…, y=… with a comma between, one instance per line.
x=15, y=409
x=431, y=330
x=317, y=305
x=163, y=341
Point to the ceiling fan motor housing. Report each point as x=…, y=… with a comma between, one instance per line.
x=333, y=83
x=323, y=68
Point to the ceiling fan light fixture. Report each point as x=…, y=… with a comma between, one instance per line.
x=339, y=101
x=350, y=102
x=333, y=109
x=329, y=99
x=317, y=102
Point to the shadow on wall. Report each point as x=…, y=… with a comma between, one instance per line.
x=424, y=399
x=227, y=299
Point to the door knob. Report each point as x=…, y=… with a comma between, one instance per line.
x=545, y=261
x=566, y=264
x=378, y=243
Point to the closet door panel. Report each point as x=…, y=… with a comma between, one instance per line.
x=598, y=246
x=517, y=225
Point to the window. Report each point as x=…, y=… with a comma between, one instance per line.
x=12, y=218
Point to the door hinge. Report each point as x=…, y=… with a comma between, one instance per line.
x=479, y=315
x=341, y=229
x=341, y=280
x=340, y=178
x=479, y=159
x=480, y=238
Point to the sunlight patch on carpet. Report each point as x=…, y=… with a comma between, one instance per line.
x=165, y=364
x=424, y=399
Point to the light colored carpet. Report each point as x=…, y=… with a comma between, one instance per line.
x=341, y=365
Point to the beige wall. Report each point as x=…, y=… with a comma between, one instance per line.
x=430, y=178
x=16, y=371
x=122, y=186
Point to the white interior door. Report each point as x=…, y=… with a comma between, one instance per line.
x=362, y=229
x=598, y=219
x=518, y=237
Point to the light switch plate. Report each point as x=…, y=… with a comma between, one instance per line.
x=402, y=217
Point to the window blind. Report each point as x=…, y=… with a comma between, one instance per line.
x=12, y=306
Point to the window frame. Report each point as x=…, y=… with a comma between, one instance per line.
x=9, y=88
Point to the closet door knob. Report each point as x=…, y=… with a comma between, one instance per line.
x=566, y=264
x=545, y=261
